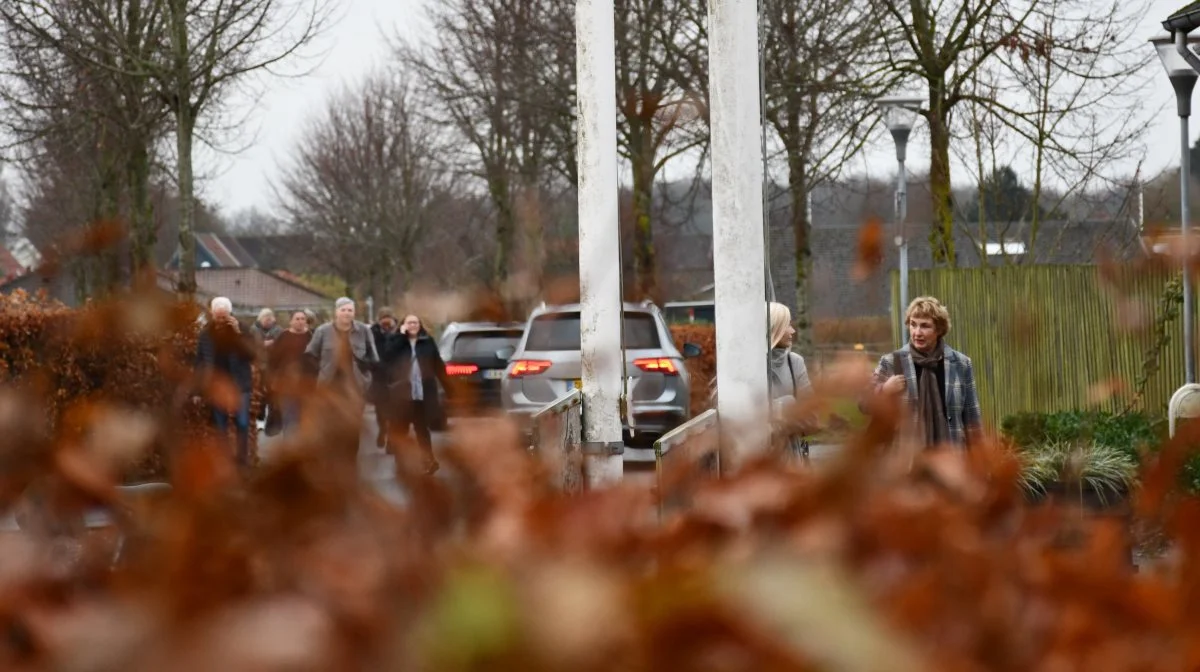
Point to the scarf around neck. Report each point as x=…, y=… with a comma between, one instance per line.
x=931, y=408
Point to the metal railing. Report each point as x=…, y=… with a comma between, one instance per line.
x=30, y=516
x=689, y=448
x=556, y=438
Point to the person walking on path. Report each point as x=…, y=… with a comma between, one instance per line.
x=383, y=331
x=936, y=381
x=289, y=379
x=224, y=349
x=265, y=328
x=344, y=350
x=788, y=375
x=415, y=369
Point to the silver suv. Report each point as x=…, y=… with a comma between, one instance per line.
x=546, y=364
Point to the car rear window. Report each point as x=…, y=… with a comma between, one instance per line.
x=560, y=331
x=484, y=343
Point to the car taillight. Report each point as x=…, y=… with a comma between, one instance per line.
x=461, y=369
x=528, y=367
x=657, y=365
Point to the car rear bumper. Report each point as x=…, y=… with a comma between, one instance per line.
x=649, y=421
x=474, y=396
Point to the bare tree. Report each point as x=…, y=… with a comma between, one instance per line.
x=501, y=75
x=662, y=105
x=68, y=189
x=1062, y=104
x=364, y=178
x=1076, y=97
x=204, y=48
x=1046, y=65
x=822, y=74
x=943, y=44
x=255, y=222
x=52, y=87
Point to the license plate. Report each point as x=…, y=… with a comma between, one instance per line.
x=579, y=383
x=493, y=374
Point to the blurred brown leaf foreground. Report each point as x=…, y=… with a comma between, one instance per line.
x=868, y=563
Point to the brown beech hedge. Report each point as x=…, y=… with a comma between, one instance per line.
x=702, y=368
x=134, y=355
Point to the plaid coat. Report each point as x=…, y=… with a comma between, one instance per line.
x=962, y=403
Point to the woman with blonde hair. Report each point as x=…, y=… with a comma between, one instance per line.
x=787, y=373
x=936, y=381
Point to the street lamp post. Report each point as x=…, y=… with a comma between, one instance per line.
x=1183, y=79
x=900, y=114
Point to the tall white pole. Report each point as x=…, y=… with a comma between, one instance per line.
x=599, y=241
x=1189, y=363
x=738, y=243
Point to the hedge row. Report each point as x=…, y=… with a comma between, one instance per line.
x=703, y=368
x=1129, y=432
x=135, y=355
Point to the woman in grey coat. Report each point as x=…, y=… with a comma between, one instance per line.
x=788, y=376
x=344, y=348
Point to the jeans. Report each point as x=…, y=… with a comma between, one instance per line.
x=241, y=422
x=415, y=414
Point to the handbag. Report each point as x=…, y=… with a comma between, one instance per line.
x=799, y=444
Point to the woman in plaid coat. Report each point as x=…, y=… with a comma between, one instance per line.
x=936, y=381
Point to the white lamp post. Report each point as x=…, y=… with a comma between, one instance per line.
x=1183, y=80
x=900, y=113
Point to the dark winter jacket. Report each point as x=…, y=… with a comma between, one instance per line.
x=286, y=361
x=383, y=341
x=222, y=350
x=398, y=364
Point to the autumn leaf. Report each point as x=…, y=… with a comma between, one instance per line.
x=870, y=249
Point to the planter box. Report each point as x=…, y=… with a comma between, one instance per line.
x=1094, y=505
x=1082, y=495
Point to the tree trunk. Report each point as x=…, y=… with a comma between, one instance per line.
x=141, y=215
x=801, y=231
x=105, y=252
x=187, y=207
x=941, y=233
x=505, y=229
x=644, y=266
x=185, y=126
x=535, y=233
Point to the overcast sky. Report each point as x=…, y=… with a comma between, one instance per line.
x=359, y=39
x=348, y=49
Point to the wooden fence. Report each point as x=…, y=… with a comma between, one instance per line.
x=1049, y=338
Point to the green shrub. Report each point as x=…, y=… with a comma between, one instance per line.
x=1106, y=470
x=1129, y=432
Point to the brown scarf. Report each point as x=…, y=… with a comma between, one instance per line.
x=931, y=408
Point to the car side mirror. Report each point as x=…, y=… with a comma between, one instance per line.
x=506, y=353
x=691, y=350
